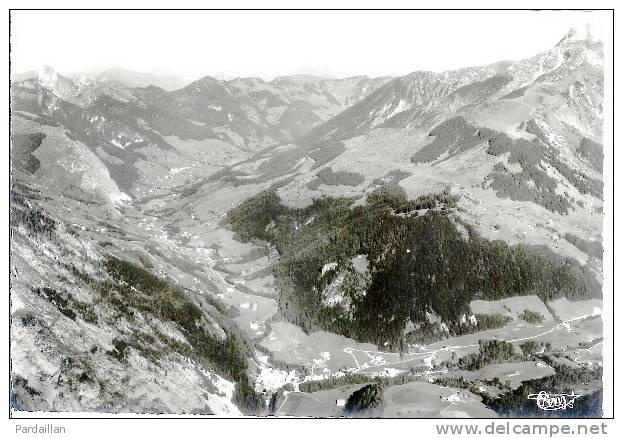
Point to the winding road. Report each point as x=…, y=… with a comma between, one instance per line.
x=429, y=356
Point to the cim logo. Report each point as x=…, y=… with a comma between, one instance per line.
x=554, y=402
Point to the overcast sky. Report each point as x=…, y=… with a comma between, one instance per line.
x=268, y=44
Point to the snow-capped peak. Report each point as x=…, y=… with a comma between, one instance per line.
x=576, y=35
x=57, y=84
x=79, y=90
x=47, y=77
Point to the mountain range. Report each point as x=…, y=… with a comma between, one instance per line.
x=169, y=247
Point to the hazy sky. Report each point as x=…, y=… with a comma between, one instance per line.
x=268, y=44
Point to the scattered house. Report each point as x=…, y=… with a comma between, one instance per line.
x=452, y=398
x=340, y=402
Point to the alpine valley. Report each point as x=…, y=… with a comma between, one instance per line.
x=419, y=246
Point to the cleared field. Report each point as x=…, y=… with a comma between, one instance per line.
x=315, y=404
x=512, y=307
x=590, y=356
x=592, y=327
x=513, y=372
x=254, y=310
x=566, y=309
x=283, y=337
x=419, y=399
x=322, y=353
x=262, y=285
x=247, y=267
